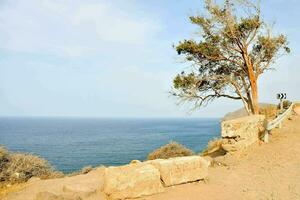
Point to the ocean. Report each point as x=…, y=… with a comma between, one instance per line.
x=72, y=143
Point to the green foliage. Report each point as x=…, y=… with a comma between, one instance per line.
x=233, y=50
x=173, y=149
x=286, y=104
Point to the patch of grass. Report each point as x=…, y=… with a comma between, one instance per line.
x=270, y=111
x=212, y=146
x=4, y=162
x=170, y=150
x=20, y=167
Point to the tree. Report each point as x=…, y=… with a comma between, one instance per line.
x=234, y=48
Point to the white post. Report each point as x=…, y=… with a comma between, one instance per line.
x=266, y=136
x=281, y=110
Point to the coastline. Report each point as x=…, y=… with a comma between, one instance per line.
x=256, y=172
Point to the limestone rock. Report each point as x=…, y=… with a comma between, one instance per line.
x=242, y=132
x=132, y=181
x=243, y=127
x=180, y=170
x=33, y=179
x=51, y=196
x=47, y=196
x=237, y=145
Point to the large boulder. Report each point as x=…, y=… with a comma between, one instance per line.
x=174, y=171
x=132, y=181
x=242, y=132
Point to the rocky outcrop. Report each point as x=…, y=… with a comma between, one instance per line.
x=145, y=178
x=132, y=181
x=181, y=170
x=242, y=132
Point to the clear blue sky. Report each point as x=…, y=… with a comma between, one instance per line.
x=114, y=58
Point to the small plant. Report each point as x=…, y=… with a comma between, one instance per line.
x=212, y=146
x=270, y=111
x=24, y=166
x=4, y=160
x=86, y=169
x=286, y=104
x=173, y=149
x=20, y=167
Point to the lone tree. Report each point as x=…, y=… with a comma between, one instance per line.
x=234, y=48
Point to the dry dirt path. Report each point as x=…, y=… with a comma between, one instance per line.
x=262, y=172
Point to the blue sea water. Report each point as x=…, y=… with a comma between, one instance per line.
x=72, y=143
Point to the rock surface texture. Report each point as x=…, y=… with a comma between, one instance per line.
x=132, y=181
x=242, y=132
x=80, y=187
x=175, y=171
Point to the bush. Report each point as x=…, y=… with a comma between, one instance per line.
x=286, y=104
x=4, y=157
x=20, y=167
x=270, y=111
x=4, y=160
x=212, y=146
x=173, y=149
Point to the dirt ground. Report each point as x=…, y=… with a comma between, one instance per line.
x=262, y=172
x=85, y=186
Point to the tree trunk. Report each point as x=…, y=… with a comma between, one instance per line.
x=253, y=83
x=254, y=92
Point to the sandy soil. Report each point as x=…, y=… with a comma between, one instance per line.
x=262, y=172
x=86, y=186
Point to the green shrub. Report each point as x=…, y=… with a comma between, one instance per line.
x=286, y=104
x=20, y=167
x=173, y=149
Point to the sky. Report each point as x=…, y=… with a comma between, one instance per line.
x=114, y=58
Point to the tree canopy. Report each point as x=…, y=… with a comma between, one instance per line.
x=235, y=46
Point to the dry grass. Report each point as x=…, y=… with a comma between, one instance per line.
x=212, y=146
x=84, y=170
x=270, y=111
x=20, y=167
x=4, y=159
x=173, y=149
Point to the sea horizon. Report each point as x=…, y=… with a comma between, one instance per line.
x=70, y=143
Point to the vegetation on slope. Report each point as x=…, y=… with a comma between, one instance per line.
x=20, y=167
x=173, y=149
